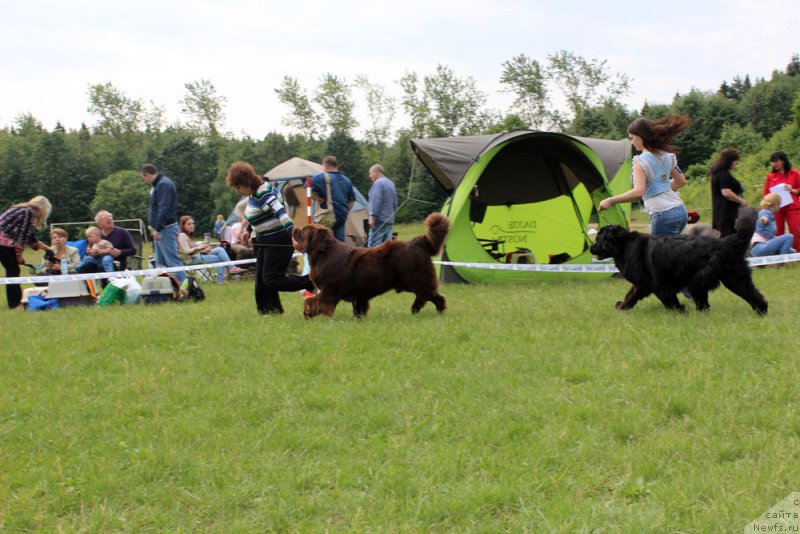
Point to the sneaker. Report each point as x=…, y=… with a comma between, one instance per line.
x=234, y=270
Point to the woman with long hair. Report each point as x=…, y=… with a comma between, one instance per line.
x=18, y=226
x=194, y=253
x=655, y=175
x=726, y=192
x=787, y=178
x=271, y=229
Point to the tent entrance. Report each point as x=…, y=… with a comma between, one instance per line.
x=534, y=197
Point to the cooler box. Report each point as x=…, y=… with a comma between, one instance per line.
x=156, y=289
x=72, y=292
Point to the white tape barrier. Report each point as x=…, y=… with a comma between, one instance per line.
x=597, y=266
x=117, y=274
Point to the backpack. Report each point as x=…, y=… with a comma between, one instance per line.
x=192, y=289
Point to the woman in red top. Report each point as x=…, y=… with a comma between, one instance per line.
x=783, y=173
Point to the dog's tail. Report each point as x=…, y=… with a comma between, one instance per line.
x=745, y=226
x=438, y=228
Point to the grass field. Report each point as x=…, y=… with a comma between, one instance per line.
x=532, y=407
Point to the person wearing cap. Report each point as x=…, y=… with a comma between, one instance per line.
x=162, y=218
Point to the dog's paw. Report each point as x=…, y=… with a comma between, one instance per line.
x=619, y=305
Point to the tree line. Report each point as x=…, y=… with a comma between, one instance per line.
x=96, y=166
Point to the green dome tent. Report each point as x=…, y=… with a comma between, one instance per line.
x=523, y=197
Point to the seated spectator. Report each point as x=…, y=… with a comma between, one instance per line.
x=59, y=249
x=117, y=236
x=194, y=253
x=98, y=252
x=765, y=242
x=239, y=250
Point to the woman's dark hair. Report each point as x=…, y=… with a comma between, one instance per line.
x=725, y=160
x=781, y=156
x=183, y=220
x=657, y=135
x=242, y=173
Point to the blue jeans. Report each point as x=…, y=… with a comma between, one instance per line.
x=382, y=231
x=338, y=232
x=669, y=222
x=217, y=255
x=781, y=244
x=104, y=262
x=167, y=251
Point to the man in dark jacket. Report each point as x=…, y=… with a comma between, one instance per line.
x=162, y=218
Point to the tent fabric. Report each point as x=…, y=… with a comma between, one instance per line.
x=291, y=177
x=523, y=196
x=294, y=168
x=449, y=158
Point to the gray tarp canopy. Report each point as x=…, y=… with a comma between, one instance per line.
x=449, y=158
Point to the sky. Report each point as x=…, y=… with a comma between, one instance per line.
x=52, y=51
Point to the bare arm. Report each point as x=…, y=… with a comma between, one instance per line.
x=733, y=197
x=676, y=179
x=636, y=192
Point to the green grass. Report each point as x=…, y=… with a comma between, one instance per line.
x=531, y=407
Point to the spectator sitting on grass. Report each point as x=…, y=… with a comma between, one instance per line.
x=765, y=242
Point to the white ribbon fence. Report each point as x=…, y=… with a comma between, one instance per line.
x=597, y=266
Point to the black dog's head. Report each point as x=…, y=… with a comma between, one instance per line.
x=610, y=242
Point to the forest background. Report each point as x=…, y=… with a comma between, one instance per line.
x=96, y=166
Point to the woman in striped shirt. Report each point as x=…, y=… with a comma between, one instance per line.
x=271, y=230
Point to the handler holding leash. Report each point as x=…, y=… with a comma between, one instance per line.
x=272, y=227
x=656, y=175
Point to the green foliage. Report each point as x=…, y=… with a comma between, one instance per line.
x=193, y=167
x=351, y=164
x=380, y=110
x=335, y=99
x=444, y=104
x=204, y=107
x=512, y=412
x=119, y=114
x=609, y=120
x=69, y=165
x=526, y=79
x=744, y=138
x=768, y=105
x=303, y=117
x=124, y=194
x=709, y=113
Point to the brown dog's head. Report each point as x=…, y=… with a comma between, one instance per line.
x=312, y=239
x=610, y=242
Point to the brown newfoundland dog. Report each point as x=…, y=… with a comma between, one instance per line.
x=664, y=265
x=343, y=272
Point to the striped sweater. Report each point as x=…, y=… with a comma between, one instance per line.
x=265, y=212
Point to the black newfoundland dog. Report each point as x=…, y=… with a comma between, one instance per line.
x=343, y=272
x=664, y=265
